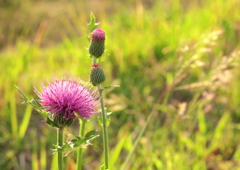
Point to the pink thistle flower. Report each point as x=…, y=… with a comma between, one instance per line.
x=98, y=35
x=66, y=97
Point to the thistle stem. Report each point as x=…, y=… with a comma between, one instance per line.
x=80, y=151
x=104, y=126
x=94, y=60
x=60, y=143
x=103, y=117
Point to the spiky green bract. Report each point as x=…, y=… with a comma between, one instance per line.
x=60, y=121
x=97, y=47
x=97, y=75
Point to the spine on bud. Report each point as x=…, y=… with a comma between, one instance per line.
x=97, y=75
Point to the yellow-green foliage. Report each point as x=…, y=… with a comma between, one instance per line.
x=177, y=59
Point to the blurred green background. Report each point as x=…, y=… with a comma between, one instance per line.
x=178, y=60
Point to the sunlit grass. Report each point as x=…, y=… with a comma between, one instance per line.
x=180, y=57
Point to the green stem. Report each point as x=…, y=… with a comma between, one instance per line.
x=94, y=60
x=80, y=151
x=103, y=117
x=104, y=126
x=60, y=143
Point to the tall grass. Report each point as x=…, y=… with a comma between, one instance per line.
x=181, y=58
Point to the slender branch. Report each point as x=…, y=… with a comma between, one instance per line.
x=60, y=143
x=104, y=126
x=80, y=151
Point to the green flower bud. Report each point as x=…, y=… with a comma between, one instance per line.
x=96, y=48
x=97, y=75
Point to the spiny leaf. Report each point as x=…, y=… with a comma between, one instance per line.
x=108, y=87
x=36, y=106
x=33, y=103
x=103, y=167
x=108, y=121
x=100, y=121
x=88, y=84
x=92, y=25
x=76, y=143
x=23, y=95
x=90, y=134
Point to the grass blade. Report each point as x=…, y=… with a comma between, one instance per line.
x=116, y=151
x=13, y=113
x=25, y=122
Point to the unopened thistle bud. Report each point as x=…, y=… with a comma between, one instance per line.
x=97, y=75
x=96, y=48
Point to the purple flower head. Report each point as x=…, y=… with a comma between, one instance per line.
x=98, y=35
x=63, y=98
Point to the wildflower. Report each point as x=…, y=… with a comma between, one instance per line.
x=96, y=48
x=65, y=98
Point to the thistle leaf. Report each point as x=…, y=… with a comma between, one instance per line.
x=33, y=103
x=23, y=95
x=103, y=167
x=108, y=118
x=76, y=143
x=100, y=121
x=92, y=25
x=108, y=87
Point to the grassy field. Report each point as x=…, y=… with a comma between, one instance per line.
x=177, y=63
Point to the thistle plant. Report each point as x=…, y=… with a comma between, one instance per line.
x=61, y=102
x=63, y=99
x=97, y=76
